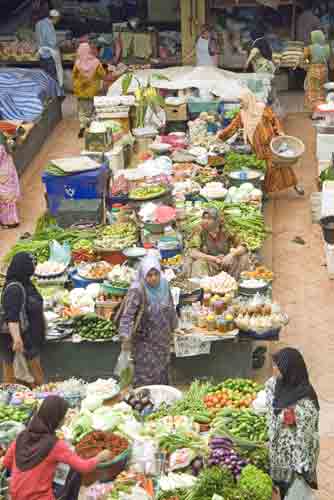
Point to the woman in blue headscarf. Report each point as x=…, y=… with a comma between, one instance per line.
x=147, y=322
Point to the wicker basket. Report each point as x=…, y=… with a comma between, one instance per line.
x=293, y=143
x=107, y=471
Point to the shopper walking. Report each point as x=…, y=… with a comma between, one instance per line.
x=259, y=125
x=88, y=74
x=9, y=188
x=147, y=322
x=34, y=456
x=293, y=421
x=317, y=55
x=24, y=326
x=46, y=37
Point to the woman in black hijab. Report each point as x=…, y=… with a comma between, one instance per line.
x=293, y=421
x=36, y=453
x=24, y=319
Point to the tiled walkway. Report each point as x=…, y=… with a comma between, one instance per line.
x=301, y=286
x=305, y=292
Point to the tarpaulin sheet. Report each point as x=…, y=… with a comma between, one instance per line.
x=224, y=84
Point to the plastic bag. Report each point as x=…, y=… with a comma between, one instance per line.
x=300, y=490
x=21, y=369
x=124, y=369
x=60, y=253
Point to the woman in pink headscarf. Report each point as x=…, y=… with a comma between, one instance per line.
x=88, y=74
x=9, y=188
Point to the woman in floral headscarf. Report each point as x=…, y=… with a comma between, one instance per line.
x=260, y=124
x=317, y=54
x=9, y=188
x=147, y=322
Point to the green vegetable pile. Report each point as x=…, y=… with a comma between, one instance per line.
x=15, y=414
x=91, y=327
x=46, y=231
x=258, y=457
x=147, y=192
x=327, y=175
x=178, y=440
x=241, y=385
x=178, y=494
x=191, y=405
x=243, y=221
x=118, y=236
x=255, y=484
x=211, y=482
x=235, y=161
x=244, y=425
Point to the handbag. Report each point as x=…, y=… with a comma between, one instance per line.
x=23, y=319
x=141, y=310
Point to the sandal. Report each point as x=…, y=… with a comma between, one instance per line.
x=9, y=226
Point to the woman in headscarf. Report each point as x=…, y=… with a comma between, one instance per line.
x=9, y=188
x=147, y=322
x=211, y=250
x=260, y=125
x=88, y=74
x=24, y=319
x=293, y=421
x=317, y=56
x=36, y=453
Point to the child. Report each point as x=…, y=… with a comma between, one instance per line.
x=88, y=74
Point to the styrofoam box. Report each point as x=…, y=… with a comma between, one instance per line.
x=325, y=146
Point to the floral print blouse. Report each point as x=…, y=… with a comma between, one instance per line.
x=293, y=448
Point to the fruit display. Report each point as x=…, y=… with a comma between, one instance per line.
x=118, y=236
x=19, y=51
x=241, y=425
x=259, y=273
x=93, y=328
x=147, y=192
x=238, y=393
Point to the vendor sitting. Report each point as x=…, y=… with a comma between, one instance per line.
x=211, y=250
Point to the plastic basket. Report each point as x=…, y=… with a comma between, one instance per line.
x=162, y=394
x=295, y=144
x=186, y=346
x=169, y=254
x=107, y=471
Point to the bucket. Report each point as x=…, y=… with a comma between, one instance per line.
x=327, y=225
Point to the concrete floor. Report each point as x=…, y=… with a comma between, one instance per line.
x=302, y=286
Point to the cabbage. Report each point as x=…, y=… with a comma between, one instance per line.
x=106, y=419
x=92, y=402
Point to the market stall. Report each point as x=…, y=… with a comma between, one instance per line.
x=164, y=444
x=30, y=108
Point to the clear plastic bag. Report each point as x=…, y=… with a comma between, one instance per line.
x=124, y=369
x=21, y=369
x=60, y=253
x=300, y=490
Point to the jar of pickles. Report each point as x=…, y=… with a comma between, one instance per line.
x=211, y=320
x=221, y=325
x=202, y=320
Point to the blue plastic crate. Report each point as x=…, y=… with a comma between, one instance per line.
x=86, y=185
x=169, y=254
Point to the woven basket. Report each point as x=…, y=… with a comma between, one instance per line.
x=107, y=471
x=293, y=142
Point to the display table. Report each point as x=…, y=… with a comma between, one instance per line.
x=36, y=135
x=91, y=360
